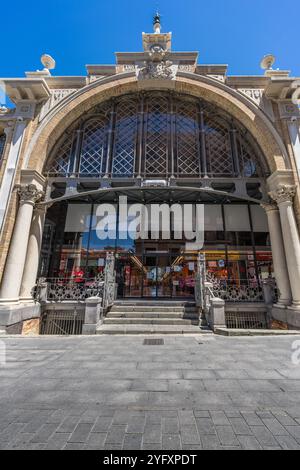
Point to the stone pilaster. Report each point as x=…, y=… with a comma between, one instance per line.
x=284, y=196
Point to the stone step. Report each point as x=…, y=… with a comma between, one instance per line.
x=135, y=308
x=152, y=330
x=171, y=315
x=149, y=321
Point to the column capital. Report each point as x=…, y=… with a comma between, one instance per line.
x=284, y=193
x=29, y=193
x=269, y=206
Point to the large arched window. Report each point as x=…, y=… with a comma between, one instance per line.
x=2, y=145
x=157, y=134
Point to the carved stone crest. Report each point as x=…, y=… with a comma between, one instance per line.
x=157, y=70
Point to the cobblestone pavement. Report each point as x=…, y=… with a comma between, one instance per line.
x=113, y=392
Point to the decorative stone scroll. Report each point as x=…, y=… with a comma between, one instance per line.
x=255, y=94
x=285, y=193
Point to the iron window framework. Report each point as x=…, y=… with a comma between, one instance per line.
x=2, y=145
x=160, y=135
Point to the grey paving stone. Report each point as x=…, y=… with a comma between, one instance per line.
x=44, y=433
x=132, y=442
x=226, y=436
x=201, y=414
x=240, y=427
x=294, y=431
x=152, y=434
x=186, y=417
x=288, y=443
x=102, y=424
x=72, y=446
x=20, y=440
x=58, y=441
x=146, y=446
x=264, y=436
x=284, y=418
x=251, y=418
x=249, y=443
x=95, y=441
x=11, y=430
x=136, y=424
x=222, y=385
x=210, y=442
x=189, y=435
x=170, y=426
x=275, y=427
x=68, y=424
x=116, y=435
x=171, y=442
x=81, y=433
x=153, y=417
x=219, y=417
x=205, y=426
x=150, y=385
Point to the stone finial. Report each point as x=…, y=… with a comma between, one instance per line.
x=157, y=23
x=29, y=193
x=285, y=193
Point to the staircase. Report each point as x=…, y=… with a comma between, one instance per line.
x=152, y=317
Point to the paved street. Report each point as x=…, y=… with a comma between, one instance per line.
x=114, y=392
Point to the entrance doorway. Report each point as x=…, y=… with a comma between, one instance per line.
x=156, y=275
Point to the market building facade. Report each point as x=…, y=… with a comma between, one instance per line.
x=156, y=128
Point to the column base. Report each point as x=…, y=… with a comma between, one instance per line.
x=289, y=316
x=15, y=301
x=26, y=300
x=294, y=306
x=11, y=314
x=282, y=305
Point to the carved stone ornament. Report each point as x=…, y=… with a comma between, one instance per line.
x=157, y=70
x=285, y=193
x=29, y=193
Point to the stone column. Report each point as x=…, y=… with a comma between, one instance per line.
x=278, y=253
x=33, y=254
x=13, y=272
x=284, y=196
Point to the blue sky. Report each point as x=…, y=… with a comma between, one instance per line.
x=235, y=32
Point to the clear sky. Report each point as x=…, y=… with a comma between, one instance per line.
x=76, y=32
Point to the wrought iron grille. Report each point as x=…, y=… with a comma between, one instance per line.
x=220, y=159
x=60, y=165
x=157, y=134
x=2, y=144
x=125, y=138
x=93, y=147
x=60, y=322
x=246, y=320
x=60, y=289
x=156, y=148
x=236, y=290
x=188, y=151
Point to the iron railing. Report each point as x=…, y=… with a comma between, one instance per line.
x=68, y=289
x=236, y=290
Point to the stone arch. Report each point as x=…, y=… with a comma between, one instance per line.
x=240, y=107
